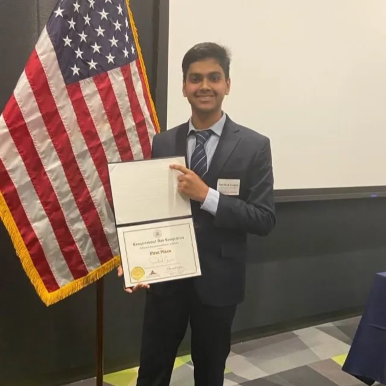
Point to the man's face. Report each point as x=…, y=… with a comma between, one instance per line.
x=205, y=86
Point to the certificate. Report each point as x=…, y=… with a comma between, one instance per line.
x=159, y=252
x=147, y=191
x=154, y=222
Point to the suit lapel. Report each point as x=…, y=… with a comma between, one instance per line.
x=227, y=143
x=181, y=141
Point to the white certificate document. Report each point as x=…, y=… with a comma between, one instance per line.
x=158, y=252
x=147, y=191
x=154, y=222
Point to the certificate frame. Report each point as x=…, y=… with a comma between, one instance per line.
x=144, y=258
x=157, y=261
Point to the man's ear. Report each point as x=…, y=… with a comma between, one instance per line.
x=183, y=89
x=228, y=86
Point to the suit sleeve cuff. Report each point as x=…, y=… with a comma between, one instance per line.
x=211, y=201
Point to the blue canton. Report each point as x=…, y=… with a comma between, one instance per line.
x=91, y=37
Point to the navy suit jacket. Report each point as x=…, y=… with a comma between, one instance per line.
x=241, y=154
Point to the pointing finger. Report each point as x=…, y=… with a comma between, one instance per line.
x=180, y=168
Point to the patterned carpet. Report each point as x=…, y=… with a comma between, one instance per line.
x=308, y=357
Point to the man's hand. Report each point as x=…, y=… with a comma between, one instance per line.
x=190, y=184
x=132, y=289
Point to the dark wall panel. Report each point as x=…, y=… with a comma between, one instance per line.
x=143, y=12
x=320, y=259
x=18, y=34
x=45, y=8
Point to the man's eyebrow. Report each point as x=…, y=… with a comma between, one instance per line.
x=200, y=74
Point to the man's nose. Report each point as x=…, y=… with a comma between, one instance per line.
x=205, y=84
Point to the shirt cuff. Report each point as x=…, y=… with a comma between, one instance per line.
x=211, y=201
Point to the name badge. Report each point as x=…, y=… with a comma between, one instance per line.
x=229, y=187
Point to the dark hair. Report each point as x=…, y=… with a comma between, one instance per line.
x=203, y=51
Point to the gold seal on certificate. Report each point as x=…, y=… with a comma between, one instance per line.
x=154, y=223
x=137, y=273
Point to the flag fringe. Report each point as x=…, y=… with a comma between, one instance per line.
x=135, y=33
x=48, y=298
x=21, y=250
x=79, y=284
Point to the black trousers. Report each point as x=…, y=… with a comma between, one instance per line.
x=165, y=323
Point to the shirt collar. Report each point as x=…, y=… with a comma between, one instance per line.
x=217, y=128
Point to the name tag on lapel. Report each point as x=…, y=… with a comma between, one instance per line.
x=229, y=187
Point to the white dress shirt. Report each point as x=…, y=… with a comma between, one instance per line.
x=211, y=202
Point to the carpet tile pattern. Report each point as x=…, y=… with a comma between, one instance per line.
x=307, y=357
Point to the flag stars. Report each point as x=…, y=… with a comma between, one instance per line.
x=100, y=31
x=83, y=37
x=91, y=43
x=75, y=70
x=72, y=24
x=79, y=53
x=96, y=48
x=117, y=25
x=76, y=6
x=110, y=58
x=67, y=41
x=103, y=14
x=114, y=42
x=92, y=64
x=59, y=12
x=87, y=19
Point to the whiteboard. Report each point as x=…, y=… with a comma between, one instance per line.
x=310, y=75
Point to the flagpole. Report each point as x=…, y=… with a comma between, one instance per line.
x=99, y=334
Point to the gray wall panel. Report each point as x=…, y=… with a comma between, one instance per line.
x=18, y=35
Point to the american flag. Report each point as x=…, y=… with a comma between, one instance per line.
x=82, y=101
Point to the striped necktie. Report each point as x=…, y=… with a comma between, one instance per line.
x=198, y=162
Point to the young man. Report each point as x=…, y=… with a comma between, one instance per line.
x=216, y=150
